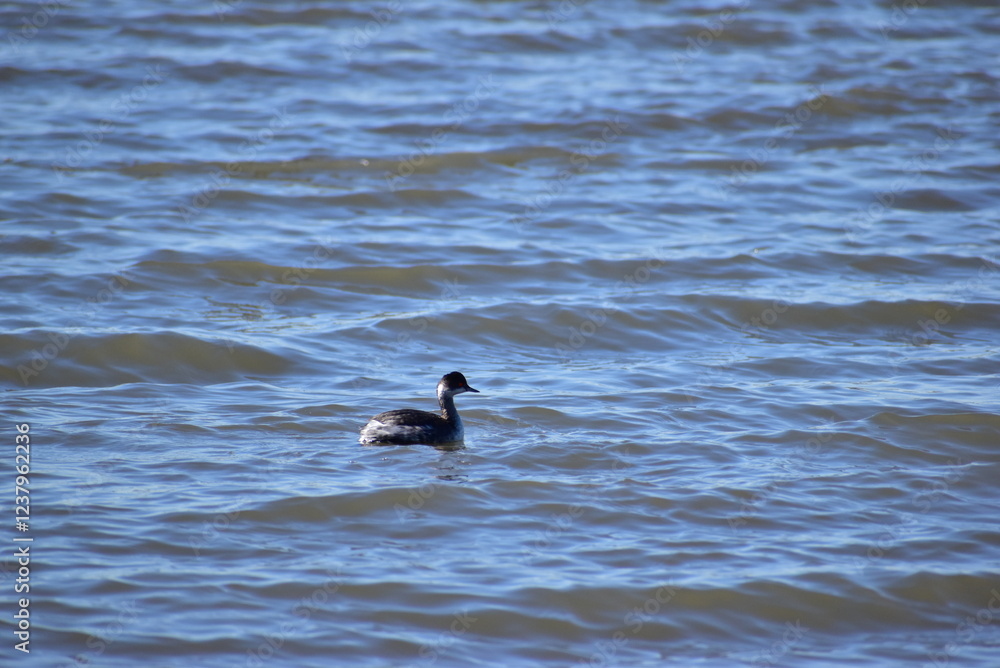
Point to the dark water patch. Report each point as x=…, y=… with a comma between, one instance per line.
x=91, y=360
x=916, y=322
x=959, y=435
x=37, y=245
x=55, y=76
x=549, y=42
x=228, y=70
x=933, y=200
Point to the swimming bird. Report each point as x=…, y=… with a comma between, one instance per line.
x=407, y=426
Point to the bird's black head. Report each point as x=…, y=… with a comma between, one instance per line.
x=455, y=383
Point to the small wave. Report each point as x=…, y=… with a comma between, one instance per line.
x=55, y=358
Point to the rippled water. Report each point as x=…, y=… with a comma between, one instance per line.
x=726, y=276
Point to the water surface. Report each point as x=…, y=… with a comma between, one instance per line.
x=726, y=276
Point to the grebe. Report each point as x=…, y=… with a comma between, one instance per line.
x=407, y=426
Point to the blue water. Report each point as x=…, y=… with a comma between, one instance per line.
x=726, y=276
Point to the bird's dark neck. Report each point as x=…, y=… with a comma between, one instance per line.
x=448, y=410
